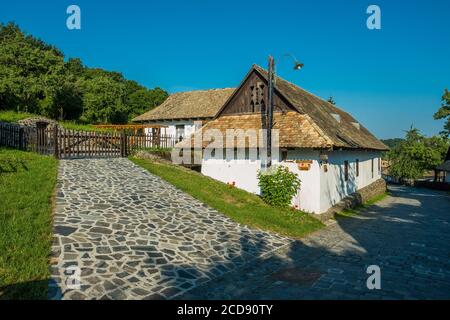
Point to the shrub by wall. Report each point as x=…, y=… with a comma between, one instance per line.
x=278, y=185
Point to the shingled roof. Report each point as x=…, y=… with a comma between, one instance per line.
x=294, y=130
x=188, y=105
x=316, y=124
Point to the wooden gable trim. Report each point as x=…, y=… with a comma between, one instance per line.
x=246, y=78
x=230, y=98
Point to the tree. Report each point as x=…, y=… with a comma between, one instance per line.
x=444, y=113
x=411, y=157
x=29, y=69
x=392, y=143
x=35, y=78
x=143, y=100
x=103, y=100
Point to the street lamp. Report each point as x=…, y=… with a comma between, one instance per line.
x=297, y=66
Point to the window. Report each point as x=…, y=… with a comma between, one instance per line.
x=235, y=154
x=284, y=154
x=247, y=154
x=179, y=131
x=213, y=153
x=357, y=167
x=372, y=167
x=379, y=166
x=346, y=170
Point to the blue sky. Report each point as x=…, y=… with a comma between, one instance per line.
x=388, y=79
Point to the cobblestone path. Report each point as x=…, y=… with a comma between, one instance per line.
x=407, y=235
x=122, y=233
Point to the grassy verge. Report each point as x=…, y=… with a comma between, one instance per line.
x=355, y=211
x=239, y=205
x=27, y=182
x=72, y=125
x=12, y=116
x=156, y=149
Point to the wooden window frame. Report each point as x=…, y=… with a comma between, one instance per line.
x=284, y=155
x=372, y=162
x=346, y=165
x=357, y=167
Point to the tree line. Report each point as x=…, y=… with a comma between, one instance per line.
x=35, y=77
x=410, y=157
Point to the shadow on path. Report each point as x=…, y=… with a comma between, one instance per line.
x=406, y=235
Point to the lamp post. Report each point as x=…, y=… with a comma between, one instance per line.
x=297, y=66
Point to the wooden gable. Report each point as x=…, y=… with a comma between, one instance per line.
x=252, y=96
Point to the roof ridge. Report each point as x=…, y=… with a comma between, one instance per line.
x=204, y=90
x=298, y=87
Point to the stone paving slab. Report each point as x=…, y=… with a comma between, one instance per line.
x=123, y=233
x=407, y=235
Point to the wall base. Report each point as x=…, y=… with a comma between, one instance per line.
x=355, y=199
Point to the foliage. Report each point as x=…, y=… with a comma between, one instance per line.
x=392, y=143
x=444, y=113
x=278, y=185
x=417, y=153
x=27, y=182
x=12, y=116
x=35, y=78
x=239, y=205
x=157, y=149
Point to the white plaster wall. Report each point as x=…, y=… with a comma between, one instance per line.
x=333, y=187
x=308, y=197
x=244, y=174
x=189, y=127
x=319, y=190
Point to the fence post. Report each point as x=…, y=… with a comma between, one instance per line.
x=21, y=142
x=56, y=141
x=123, y=144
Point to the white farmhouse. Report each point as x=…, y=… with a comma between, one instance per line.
x=180, y=112
x=333, y=154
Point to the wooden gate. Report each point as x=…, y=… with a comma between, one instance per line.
x=83, y=144
x=67, y=144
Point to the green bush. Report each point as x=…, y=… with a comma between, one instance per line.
x=278, y=185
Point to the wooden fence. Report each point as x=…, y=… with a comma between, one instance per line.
x=66, y=144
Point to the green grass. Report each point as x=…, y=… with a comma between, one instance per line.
x=348, y=213
x=239, y=205
x=27, y=182
x=72, y=125
x=156, y=149
x=12, y=116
